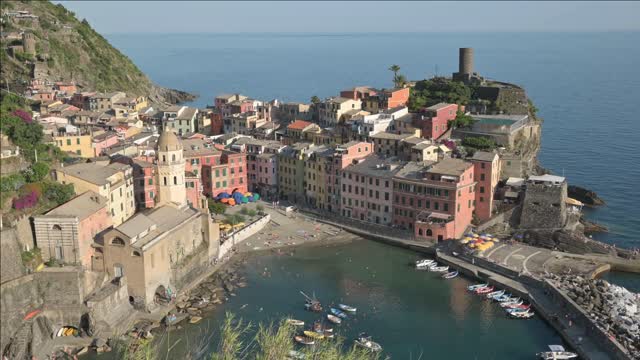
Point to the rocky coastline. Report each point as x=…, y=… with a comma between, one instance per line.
x=586, y=196
x=613, y=308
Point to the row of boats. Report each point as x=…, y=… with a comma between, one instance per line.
x=321, y=331
x=513, y=306
x=433, y=266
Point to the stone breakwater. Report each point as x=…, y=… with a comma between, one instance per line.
x=613, y=308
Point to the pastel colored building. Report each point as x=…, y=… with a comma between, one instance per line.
x=66, y=233
x=81, y=145
x=291, y=167
x=144, y=181
x=367, y=189
x=434, y=122
x=113, y=181
x=435, y=200
x=229, y=175
x=358, y=93
x=487, y=174
x=194, y=191
x=103, y=141
x=386, y=99
x=332, y=111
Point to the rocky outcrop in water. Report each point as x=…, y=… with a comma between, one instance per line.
x=585, y=196
x=613, y=308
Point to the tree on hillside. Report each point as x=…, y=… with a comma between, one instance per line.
x=395, y=69
x=37, y=172
x=462, y=120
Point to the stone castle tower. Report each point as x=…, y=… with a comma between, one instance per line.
x=171, y=167
x=29, y=43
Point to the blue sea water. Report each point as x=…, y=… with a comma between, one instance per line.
x=586, y=86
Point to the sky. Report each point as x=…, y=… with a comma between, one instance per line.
x=112, y=17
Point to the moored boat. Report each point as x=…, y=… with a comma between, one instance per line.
x=314, y=306
x=319, y=327
x=338, y=313
x=334, y=319
x=304, y=340
x=347, y=308
x=313, y=334
x=495, y=294
x=477, y=286
x=484, y=290
x=557, y=353
x=295, y=322
x=439, y=269
x=367, y=343
x=508, y=304
x=522, y=315
x=450, y=275
x=424, y=263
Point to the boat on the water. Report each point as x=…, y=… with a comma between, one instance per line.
x=515, y=310
x=495, y=294
x=477, y=286
x=522, y=314
x=505, y=298
x=450, y=275
x=484, y=290
x=319, y=327
x=424, y=263
x=314, y=306
x=338, y=313
x=557, y=353
x=328, y=335
x=304, y=340
x=347, y=308
x=295, y=322
x=313, y=334
x=334, y=319
x=510, y=304
x=439, y=269
x=365, y=341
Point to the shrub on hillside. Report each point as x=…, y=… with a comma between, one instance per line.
x=26, y=201
x=58, y=193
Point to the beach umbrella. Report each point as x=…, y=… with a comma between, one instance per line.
x=256, y=197
x=232, y=202
x=224, y=195
x=251, y=199
x=244, y=199
x=224, y=200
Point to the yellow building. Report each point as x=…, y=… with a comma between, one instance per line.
x=81, y=145
x=113, y=181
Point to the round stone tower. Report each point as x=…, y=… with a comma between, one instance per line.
x=171, y=167
x=466, y=61
x=29, y=43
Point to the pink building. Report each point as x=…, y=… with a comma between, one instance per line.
x=67, y=232
x=436, y=200
x=104, y=141
x=229, y=174
x=343, y=156
x=194, y=190
x=367, y=189
x=435, y=121
x=487, y=174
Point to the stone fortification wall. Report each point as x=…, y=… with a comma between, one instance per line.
x=229, y=241
x=507, y=216
x=544, y=207
x=109, y=309
x=191, y=268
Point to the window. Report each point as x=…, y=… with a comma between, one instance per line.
x=150, y=181
x=436, y=206
x=117, y=241
x=164, y=158
x=164, y=178
x=136, y=253
x=481, y=189
x=68, y=141
x=78, y=152
x=482, y=176
x=56, y=227
x=173, y=157
x=429, y=232
x=77, y=141
x=446, y=207
x=151, y=194
x=175, y=180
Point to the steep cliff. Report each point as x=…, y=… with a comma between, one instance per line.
x=62, y=48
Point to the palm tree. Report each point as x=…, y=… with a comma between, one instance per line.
x=395, y=68
x=315, y=99
x=401, y=80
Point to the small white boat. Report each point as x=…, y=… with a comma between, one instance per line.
x=557, y=353
x=347, y=308
x=522, y=315
x=477, y=286
x=295, y=322
x=509, y=304
x=424, y=263
x=334, y=319
x=450, y=275
x=367, y=343
x=495, y=294
x=439, y=269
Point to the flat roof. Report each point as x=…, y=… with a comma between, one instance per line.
x=484, y=156
x=439, y=106
x=390, y=136
x=374, y=165
x=82, y=206
x=450, y=166
x=91, y=172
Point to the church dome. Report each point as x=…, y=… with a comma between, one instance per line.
x=168, y=141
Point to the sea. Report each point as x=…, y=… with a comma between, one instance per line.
x=585, y=85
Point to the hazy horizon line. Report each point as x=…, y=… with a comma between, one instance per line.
x=378, y=32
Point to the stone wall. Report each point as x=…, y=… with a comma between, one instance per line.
x=505, y=216
x=11, y=266
x=189, y=269
x=544, y=207
x=109, y=309
x=230, y=241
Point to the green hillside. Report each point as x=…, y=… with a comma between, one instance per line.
x=68, y=49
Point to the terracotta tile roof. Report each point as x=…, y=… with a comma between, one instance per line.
x=299, y=125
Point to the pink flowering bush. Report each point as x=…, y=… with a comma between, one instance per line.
x=27, y=201
x=24, y=115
